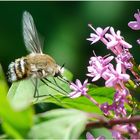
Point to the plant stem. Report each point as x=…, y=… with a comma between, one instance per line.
x=111, y=123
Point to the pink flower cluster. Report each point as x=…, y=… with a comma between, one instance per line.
x=101, y=67
x=125, y=129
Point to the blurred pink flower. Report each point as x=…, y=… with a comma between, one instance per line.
x=120, y=130
x=90, y=137
x=138, y=41
x=135, y=25
x=117, y=135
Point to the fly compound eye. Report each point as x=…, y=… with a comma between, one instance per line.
x=57, y=74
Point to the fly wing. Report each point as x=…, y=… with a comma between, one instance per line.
x=30, y=35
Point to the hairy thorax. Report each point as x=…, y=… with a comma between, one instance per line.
x=41, y=65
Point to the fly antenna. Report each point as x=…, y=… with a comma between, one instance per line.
x=62, y=66
x=60, y=77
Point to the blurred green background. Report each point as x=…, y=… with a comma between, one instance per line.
x=64, y=27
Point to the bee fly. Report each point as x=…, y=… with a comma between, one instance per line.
x=36, y=65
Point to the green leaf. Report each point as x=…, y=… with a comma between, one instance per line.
x=21, y=93
x=15, y=123
x=100, y=94
x=59, y=124
x=3, y=82
x=67, y=74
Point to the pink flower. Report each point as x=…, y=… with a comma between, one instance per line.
x=125, y=59
x=115, y=76
x=93, y=38
x=117, y=135
x=90, y=137
x=116, y=41
x=78, y=89
x=138, y=41
x=135, y=136
x=129, y=128
x=121, y=95
x=98, y=66
x=105, y=107
x=135, y=25
x=99, y=34
x=119, y=130
x=119, y=109
x=120, y=98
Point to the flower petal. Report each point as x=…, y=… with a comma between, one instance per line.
x=110, y=82
x=74, y=94
x=98, y=76
x=112, y=31
x=112, y=44
x=108, y=59
x=125, y=77
x=105, y=30
x=99, y=31
x=118, y=68
x=89, y=136
x=78, y=83
x=134, y=25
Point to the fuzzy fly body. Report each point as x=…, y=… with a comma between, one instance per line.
x=35, y=65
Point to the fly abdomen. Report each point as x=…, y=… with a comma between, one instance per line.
x=17, y=70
